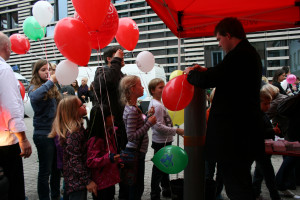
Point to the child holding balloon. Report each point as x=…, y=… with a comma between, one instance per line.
x=163, y=133
x=68, y=125
x=102, y=157
x=136, y=129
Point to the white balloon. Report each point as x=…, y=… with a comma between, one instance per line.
x=43, y=12
x=66, y=72
x=145, y=61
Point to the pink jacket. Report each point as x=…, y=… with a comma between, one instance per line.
x=104, y=172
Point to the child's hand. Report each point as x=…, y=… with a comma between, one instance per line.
x=116, y=157
x=180, y=132
x=53, y=78
x=152, y=119
x=151, y=112
x=92, y=187
x=277, y=130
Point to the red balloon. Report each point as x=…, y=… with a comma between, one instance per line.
x=22, y=89
x=73, y=41
x=92, y=12
x=128, y=33
x=107, y=31
x=19, y=43
x=177, y=93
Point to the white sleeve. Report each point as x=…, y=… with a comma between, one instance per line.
x=11, y=104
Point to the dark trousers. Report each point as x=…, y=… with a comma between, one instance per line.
x=210, y=168
x=136, y=190
x=47, y=166
x=158, y=177
x=12, y=165
x=285, y=177
x=237, y=179
x=264, y=170
x=78, y=195
x=105, y=194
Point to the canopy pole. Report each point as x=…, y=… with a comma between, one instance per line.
x=194, y=140
x=179, y=54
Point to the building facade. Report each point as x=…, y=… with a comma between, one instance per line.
x=277, y=48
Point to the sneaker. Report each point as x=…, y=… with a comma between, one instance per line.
x=289, y=193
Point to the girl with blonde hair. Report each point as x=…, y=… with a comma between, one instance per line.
x=136, y=129
x=69, y=128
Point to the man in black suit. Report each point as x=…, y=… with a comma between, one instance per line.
x=234, y=131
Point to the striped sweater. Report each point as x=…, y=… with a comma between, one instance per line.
x=136, y=128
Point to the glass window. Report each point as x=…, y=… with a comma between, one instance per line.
x=139, y=21
x=138, y=13
x=172, y=51
x=62, y=9
x=156, y=35
x=142, y=36
x=156, y=27
x=3, y=18
x=277, y=63
x=121, y=7
x=277, y=53
x=123, y=15
x=170, y=34
x=142, y=45
x=153, y=19
x=172, y=60
x=172, y=42
x=158, y=52
x=14, y=19
x=137, y=5
x=160, y=60
x=278, y=43
x=155, y=44
x=216, y=57
x=143, y=28
x=50, y=31
x=119, y=1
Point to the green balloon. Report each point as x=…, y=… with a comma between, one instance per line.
x=171, y=159
x=32, y=29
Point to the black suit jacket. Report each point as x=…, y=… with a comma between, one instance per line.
x=234, y=129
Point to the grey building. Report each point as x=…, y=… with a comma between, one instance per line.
x=277, y=48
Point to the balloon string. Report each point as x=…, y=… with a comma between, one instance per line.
x=32, y=54
x=109, y=105
x=101, y=108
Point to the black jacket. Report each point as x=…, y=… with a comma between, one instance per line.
x=234, y=129
x=109, y=83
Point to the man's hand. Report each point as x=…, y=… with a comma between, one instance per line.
x=195, y=67
x=25, y=148
x=24, y=144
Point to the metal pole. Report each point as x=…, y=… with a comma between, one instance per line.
x=194, y=140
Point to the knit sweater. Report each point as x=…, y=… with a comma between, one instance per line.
x=136, y=128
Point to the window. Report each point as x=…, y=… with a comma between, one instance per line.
x=277, y=63
x=277, y=53
x=9, y=20
x=172, y=60
x=137, y=5
x=62, y=9
x=156, y=35
x=123, y=15
x=156, y=27
x=172, y=51
x=278, y=43
x=153, y=19
x=138, y=13
x=216, y=57
x=121, y=7
x=119, y=1
x=50, y=31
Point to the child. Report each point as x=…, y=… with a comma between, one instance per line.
x=136, y=129
x=68, y=126
x=44, y=97
x=264, y=168
x=83, y=90
x=101, y=156
x=163, y=132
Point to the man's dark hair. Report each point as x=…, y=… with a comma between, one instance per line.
x=232, y=26
x=109, y=52
x=286, y=69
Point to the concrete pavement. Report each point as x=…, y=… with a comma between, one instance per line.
x=31, y=170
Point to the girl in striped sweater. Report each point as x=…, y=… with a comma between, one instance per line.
x=136, y=129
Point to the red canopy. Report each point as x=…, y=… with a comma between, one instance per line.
x=196, y=18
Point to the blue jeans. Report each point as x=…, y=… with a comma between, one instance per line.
x=264, y=170
x=285, y=177
x=47, y=166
